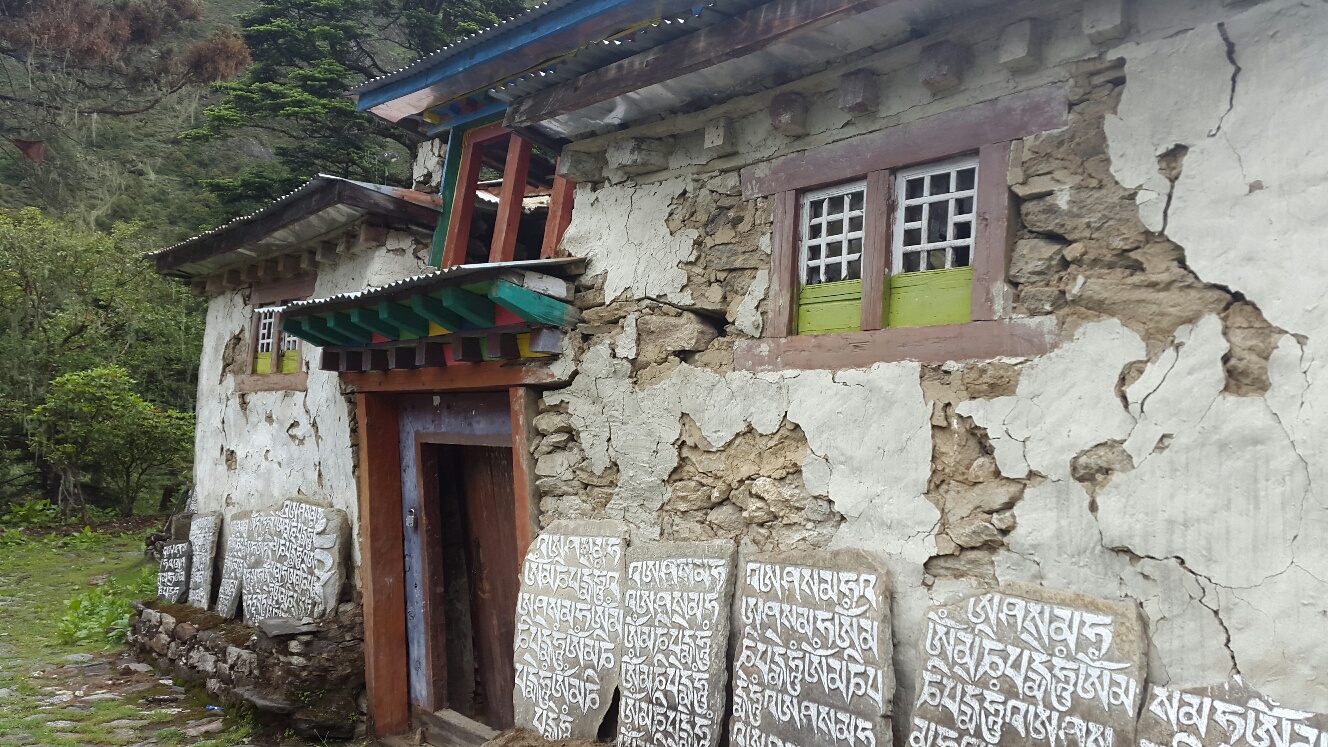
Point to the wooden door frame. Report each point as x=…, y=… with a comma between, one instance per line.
x=382, y=559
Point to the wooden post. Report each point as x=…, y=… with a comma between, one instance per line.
x=784, y=278
x=383, y=565
x=463, y=202
x=503, y=248
x=561, y=198
x=992, y=234
x=525, y=406
x=876, y=249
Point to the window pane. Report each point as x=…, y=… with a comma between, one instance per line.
x=832, y=273
x=964, y=206
x=963, y=230
x=855, y=223
x=834, y=227
x=940, y=184
x=912, y=261
x=913, y=189
x=854, y=270
x=965, y=179
x=812, y=277
x=855, y=200
x=961, y=258
x=855, y=246
x=813, y=252
x=936, y=259
x=912, y=213
x=938, y=221
x=912, y=236
x=814, y=231
x=834, y=249
x=835, y=205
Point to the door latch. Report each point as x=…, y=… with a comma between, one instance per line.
x=410, y=519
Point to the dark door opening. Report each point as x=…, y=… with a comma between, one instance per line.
x=468, y=492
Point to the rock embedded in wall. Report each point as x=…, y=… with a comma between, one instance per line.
x=813, y=664
x=203, y=536
x=569, y=621
x=1028, y=666
x=295, y=562
x=1228, y=715
x=676, y=604
x=173, y=579
x=232, y=564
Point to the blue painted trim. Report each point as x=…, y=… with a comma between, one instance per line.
x=491, y=112
x=502, y=44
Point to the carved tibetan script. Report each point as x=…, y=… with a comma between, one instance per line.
x=173, y=579
x=813, y=663
x=293, y=562
x=203, y=536
x=1230, y=715
x=232, y=564
x=675, y=637
x=569, y=621
x=1031, y=667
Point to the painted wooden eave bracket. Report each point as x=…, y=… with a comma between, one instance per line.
x=505, y=315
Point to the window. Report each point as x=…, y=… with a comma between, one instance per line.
x=274, y=352
x=931, y=246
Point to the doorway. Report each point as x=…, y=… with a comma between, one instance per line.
x=471, y=578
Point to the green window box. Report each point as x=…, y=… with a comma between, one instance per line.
x=916, y=299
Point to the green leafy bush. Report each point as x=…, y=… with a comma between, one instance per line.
x=85, y=540
x=30, y=514
x=11, y=538
x=101, y=615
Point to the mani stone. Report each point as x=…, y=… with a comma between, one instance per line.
x=173, y=580
x=1028, y=666
x=676, y=606
x=813, y=663
x=294, y=562
x=203, y=536
x=232, y=564
x=569, y=620
x=1232, y=715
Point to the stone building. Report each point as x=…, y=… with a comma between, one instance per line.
x=989, y=291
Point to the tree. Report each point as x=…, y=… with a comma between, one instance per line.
x=93, y=421
x=307, y=54
x=72, y=299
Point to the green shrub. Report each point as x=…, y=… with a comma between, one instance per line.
x=101, y=615
x=30, y=514
x=85, y=540
x=12, y=538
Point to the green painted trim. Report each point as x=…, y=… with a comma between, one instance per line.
x=447, y=186
x=532, y=306
x=830, y=307
x=368, y=319
x=341, y=322
x=432, y=309
x=412, y=325
x=296, y=327
x=923, y=299
x=475, y=309
x=319, y=326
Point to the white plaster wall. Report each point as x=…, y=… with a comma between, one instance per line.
x=284, y=444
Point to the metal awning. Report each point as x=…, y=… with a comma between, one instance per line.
x=464, y=314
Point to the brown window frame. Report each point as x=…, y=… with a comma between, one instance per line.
x=261, y=296
x=990, y=130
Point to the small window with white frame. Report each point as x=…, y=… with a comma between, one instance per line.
x=935, y=216
x=832, y=233
x=273, y=351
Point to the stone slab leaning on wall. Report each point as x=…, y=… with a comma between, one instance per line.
x=813, y=655
x=1033, y=667
x=295, y=564
x=569, y=628
x=173, y=578
x=203, y=532
x=1229, y=715
x=675, y=642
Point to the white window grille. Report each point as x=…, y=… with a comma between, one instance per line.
x=832, y=232
x=934, y=223
x=267, y=327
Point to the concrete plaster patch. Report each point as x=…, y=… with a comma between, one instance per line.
x=622, y=230
x=748, y=320
x=1277, y=634
x=1065, y=403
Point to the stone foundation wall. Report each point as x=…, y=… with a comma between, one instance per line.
x=1166, y=452
x=311, y=676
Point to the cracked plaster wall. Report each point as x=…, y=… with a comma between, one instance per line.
x=1168, y=451
x=254, y=450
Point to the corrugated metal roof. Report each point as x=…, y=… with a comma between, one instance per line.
x=563, y=267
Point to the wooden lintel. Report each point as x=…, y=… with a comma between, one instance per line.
x=462, y=377
x=737, y=37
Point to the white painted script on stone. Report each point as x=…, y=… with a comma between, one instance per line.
x=811, y=668
x=232, y=566
x=1011, y=670
x=1230, y=716
x=292, y=563
x=173, y=578
x=673, y=661
x=203, y=536
x=568, y=628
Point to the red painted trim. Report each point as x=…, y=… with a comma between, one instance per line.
x=561, y=198
x=515, y=171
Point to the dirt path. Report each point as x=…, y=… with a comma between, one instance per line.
x=58, y=694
